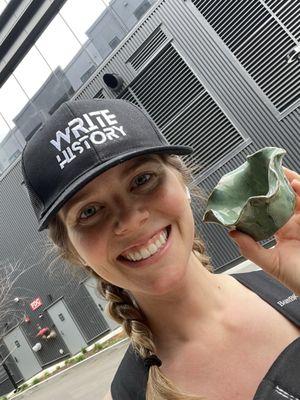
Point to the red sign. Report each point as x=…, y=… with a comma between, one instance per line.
x=36, y=303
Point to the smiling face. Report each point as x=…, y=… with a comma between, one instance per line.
x=133, y=225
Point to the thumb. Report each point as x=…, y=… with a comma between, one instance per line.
x=252, y=250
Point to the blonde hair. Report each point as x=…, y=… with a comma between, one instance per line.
x=121, y=305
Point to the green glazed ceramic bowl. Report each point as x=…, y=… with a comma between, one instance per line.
x=255, y=198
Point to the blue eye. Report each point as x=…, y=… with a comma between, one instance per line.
x=141, y=179
x=88, y=212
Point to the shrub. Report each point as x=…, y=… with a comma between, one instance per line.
x=79, y=358
x=35, y=381
x=110, y=342
x=57, y=368
x=72, y=361
x=21, y=388
x=46, y=375
x=83, y=350
x=98, y=346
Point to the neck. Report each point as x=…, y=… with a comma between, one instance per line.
x=194, y=307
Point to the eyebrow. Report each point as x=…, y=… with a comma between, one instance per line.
x=137, y=162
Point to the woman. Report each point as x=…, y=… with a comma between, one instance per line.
x=114, y=196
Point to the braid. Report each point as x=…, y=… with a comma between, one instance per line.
x=123, y=309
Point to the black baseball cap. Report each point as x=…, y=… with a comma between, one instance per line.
x=81, y=140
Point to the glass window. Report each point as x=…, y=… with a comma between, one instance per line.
x=114, y=42
x=20, y=107
x=88, y=16
x=76, y=56
x=12, y=100
x=66, y=54
x=4, y=127
x=57, y=44
x=32, y=72
x=2, y=6
x=141, y=9
x=85, y=61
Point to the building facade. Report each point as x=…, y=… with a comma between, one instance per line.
x=221, y=77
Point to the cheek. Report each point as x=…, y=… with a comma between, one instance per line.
x=94, y=252
x=177, y=206
x=89, y=247
x=176, y=202
x=93, y=248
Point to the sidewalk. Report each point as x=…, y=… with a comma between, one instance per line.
x=53, y=368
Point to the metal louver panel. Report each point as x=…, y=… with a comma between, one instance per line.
x=166, y=86
x=228, y=18
x=126, y=95
x=288, y=12
x=148, y=48
x=184, y=111
x=203, y=126
x=92, y=89
x=263, y=56
x=99, y=95
x=260, y=43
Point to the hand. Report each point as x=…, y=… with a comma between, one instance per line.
x=283, y=260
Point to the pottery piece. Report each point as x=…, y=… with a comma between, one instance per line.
x=255, y=198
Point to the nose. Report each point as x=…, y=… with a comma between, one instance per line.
x=130, y=219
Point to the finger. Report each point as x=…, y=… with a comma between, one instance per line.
x=294, y=180
x=296, y=187
x=253, y=251
x=291, y=175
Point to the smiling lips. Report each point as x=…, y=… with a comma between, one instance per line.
x=146, y=251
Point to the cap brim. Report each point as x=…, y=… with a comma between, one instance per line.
x=82, y=180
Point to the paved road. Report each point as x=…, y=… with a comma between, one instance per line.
x=89, y=380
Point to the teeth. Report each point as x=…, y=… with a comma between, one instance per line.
x=145, y=253
x=162, y=239
x=157, y=243
x=138, y=256
x=152, y=248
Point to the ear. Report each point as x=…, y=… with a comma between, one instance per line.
x=188, y=193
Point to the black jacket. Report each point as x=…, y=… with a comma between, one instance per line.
x=283, y=378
